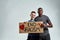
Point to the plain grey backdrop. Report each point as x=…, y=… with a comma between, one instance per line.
x=14, y=11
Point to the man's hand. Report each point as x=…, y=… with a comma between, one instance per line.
x=45, y=25
x=41, y=24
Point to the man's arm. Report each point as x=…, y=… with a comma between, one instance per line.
x=49, y=24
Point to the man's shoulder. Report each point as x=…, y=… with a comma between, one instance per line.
x=45, y=15
x=42, y=15
x=29, y=20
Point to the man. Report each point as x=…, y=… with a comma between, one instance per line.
x=45, y=19
x=32, y=15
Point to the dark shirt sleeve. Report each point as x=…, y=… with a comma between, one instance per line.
x=48, y=20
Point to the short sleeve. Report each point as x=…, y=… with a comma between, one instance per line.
x=48, y=20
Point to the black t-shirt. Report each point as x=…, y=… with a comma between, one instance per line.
x=45, y=20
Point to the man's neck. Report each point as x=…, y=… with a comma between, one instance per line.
x=40, y=15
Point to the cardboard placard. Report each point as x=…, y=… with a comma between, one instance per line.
x=30, y=27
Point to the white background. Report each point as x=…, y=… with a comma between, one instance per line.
x=14, y=11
